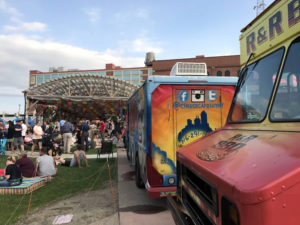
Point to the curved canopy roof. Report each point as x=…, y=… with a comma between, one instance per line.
x=82, y=88
x=88, y=95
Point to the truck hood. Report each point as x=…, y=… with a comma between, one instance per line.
x=253, y=165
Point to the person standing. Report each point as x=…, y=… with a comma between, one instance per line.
x=2, y=130
x=45, y=127
x=37, y=136
x=66, y=130
x=18, y=139
x=118, y=125
x=102, y=129
x=57, y=125
x=84, y=131
x=10, y=136
x=112, y=127
x=24, y=129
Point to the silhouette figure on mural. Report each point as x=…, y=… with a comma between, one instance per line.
x=199, y=125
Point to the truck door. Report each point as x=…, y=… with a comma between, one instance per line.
x=197, y=110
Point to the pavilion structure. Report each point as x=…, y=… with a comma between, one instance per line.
x=84, y=96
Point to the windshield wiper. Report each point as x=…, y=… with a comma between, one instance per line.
x=242, y=74
x=242, y=77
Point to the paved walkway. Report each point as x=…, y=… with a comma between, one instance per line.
x=135, y=206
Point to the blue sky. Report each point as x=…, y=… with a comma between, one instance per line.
x=87, y=34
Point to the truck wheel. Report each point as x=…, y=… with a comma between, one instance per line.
x=138, y=180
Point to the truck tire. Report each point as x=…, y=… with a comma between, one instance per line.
x=138, y=180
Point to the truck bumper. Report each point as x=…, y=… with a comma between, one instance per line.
x=180, y=218
x=158, y=192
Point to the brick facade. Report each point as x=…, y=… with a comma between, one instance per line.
x=214, y=64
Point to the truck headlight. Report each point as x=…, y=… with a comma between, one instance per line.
x=230, y=214
x=171, y=180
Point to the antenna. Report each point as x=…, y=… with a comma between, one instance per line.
x=260, y=6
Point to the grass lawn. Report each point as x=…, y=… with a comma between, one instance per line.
x=95, y=151
x=67, y=182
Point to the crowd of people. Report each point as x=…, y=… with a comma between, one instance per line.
x=52, y=139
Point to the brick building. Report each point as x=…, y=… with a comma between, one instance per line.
x=216, y=65
x=134, y=75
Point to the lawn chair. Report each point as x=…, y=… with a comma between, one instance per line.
x=106, y=148
x=2, y=146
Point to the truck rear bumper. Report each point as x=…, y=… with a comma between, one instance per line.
x=176, y=209
x=158, y=192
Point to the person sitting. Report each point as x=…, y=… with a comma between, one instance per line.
x=77, y=160
x=45, y=165
x=13, y=175
x=26, y=165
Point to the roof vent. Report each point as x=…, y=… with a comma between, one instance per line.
x=189, y=69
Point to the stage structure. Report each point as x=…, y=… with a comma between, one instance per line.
x=87, y=96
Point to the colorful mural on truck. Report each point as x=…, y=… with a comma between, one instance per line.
x=136, y=121
x=183, y=114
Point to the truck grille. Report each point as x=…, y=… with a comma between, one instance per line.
x=199, y=217
x=205, y=191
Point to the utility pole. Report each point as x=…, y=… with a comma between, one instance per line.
x=260, y=6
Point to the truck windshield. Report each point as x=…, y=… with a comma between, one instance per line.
x=254, y=91
x=286, y=105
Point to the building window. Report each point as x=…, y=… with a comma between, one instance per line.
x=126, y=78
x=127, y=72
x=227, y=73
x=118, y=73
x=135, y=72
x=32, y=79
x=135, y=77
x=219, y=73
x=101, y=73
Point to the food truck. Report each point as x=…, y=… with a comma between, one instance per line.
x=248, y=172
x=168, y=112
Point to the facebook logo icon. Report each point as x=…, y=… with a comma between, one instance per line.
x=183, y=96
x=212, y=95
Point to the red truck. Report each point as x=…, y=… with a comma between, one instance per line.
x=248, y=172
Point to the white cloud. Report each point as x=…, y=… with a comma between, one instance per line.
x=144, y=45
x=8, y=9
x=26, y=27
x=93, y=14
x=19, y=55
x=19, y=26
x=141, y=45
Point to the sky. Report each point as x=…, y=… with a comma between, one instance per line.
x=87, y=34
